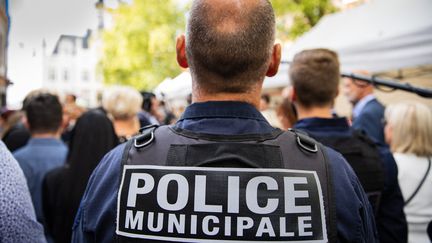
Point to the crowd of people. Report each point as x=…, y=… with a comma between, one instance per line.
x=59, y=144
x=131, y=170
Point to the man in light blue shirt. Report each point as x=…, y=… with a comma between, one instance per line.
x=44, y=151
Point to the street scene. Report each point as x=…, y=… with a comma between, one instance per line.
x=215, y=121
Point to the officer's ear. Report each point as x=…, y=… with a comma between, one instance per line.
x=181, y=51
x=275, y=61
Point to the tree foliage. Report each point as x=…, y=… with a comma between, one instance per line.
x=304, y=13
x=140, y=48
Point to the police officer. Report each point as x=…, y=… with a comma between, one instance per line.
x=222, y=173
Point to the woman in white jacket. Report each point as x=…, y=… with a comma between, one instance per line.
x=409, y=133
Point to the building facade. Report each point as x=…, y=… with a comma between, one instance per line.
x=71, y=68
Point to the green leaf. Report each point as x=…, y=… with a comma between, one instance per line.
x=140, y=48
x=295, y=17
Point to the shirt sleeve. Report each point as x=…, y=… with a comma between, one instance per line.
x=17, y=216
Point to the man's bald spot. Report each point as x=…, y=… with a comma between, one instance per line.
x=227, y=16
x=229, y=43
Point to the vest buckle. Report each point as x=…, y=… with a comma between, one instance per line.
x=146, y=137
x=305, y=142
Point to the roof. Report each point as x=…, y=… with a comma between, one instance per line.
x=76, y=40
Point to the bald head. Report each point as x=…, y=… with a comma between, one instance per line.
x=227, y=17
x=229, y=43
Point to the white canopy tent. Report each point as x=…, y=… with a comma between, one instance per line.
x=181, y=86
x=177, y=88
x=382, y=35
x=378, y=36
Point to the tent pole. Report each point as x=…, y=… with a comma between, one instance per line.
x=426, y=93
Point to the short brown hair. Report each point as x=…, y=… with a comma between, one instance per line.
x=315, y=77
x=229, y=59
x=43, y=111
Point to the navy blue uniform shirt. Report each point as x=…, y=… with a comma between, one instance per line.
x=391, y=221
x=95, y=221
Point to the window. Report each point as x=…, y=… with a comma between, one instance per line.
x=66, y=75
x=52, y=74
x=85, y=76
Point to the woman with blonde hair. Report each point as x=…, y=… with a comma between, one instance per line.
x=409, y=133
x=122, y=104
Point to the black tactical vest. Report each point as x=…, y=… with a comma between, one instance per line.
x=180, y=186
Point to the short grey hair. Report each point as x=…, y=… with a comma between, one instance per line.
x=122, y=102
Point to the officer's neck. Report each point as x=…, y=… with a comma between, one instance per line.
x=314, y=112
x=252, y=97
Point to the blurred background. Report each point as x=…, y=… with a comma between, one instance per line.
x=81, y=47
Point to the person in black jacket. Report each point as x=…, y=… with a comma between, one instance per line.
x=92, y=137
x=315, y=78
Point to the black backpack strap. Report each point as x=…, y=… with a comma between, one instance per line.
x=420, y=184
x=364, y=157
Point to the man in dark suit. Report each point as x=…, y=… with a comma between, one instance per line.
x=368, y=112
